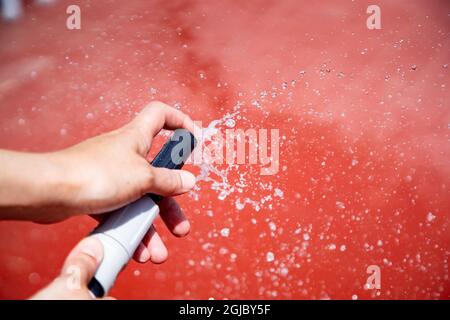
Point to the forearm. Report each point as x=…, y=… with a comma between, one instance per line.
x=95, y=176
x=32, y=184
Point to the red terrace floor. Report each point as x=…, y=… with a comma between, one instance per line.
x=364, y=156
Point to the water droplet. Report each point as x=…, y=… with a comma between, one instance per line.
x=222, y=195
x=206, y=246
x=225, y=232
x=256, y=104
x=272, y=226
x=270, y=256
x=238, y=204
x=340, y=205
x=278, y=193
x=230, y=123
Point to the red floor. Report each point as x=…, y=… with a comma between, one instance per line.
x=364, y=160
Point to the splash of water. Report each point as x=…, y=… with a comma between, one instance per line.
x=209, y=172
x=225, y=179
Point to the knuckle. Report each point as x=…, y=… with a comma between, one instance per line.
x=186, y=118
x=172, y=182
x=85, y=262
x=156, y=105
x=150, y=177
x=80, y=266
x=176, y=182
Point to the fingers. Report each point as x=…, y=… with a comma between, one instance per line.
x=173, y=217
x=83, y=260
x=157, y=115
x=142, y=253
x=155, y=247
x=152, y=248
x=167, y=182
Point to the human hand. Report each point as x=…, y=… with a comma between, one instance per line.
x=78, y=270
x=112, y=171
x=99, y=175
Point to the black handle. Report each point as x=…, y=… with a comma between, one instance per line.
x=174, y=153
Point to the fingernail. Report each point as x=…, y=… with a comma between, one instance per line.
x=92, y=247
x=182, y=228
x=145, y=254
x=187, y=179
x=159, y=255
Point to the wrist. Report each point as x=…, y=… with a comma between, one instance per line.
x=60, y=181
x=38, y=187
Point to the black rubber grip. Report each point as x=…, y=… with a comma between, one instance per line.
x=96, y=288
x=174, y=153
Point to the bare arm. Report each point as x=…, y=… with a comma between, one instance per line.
x=35, y=187
x=98, y=175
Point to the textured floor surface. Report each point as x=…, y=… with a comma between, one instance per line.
x=363, y=117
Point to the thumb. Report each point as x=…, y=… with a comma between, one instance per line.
x=166, y=182
x=83, y=261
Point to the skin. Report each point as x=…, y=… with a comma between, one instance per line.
x=89, y=178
